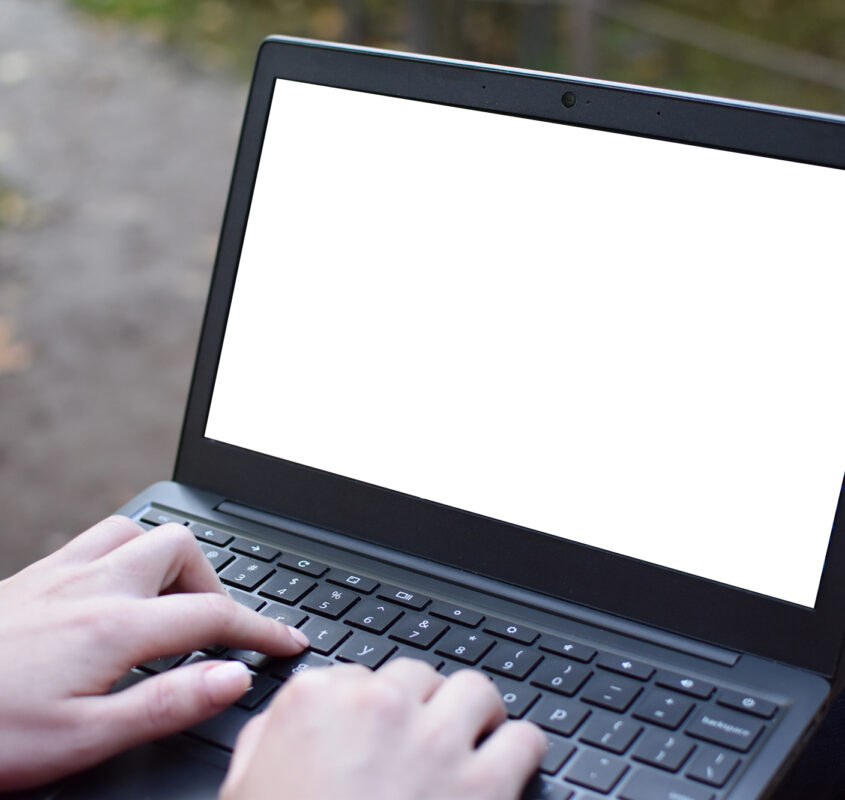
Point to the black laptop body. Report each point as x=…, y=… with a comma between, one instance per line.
x=509, y=371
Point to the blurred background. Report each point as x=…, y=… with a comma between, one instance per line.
x=118, y=125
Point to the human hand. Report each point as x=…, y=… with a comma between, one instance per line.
x=404, y=731
x=74, y=622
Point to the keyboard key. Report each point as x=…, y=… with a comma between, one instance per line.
x=559, y=715
x=517, y=697
x=540, y=789
x=357, y=582
x=625, y=666
x=665, y=750
x=418, y=630
x=558, y=753
x=287, y=587
x=262, y=687
x=246, y=573
x=610, y=732
x=685, y=684
x=561, y=676
x=564, y=647
x=155, y=517
x=648, y=785
x=330, y=601
x=252, y=658
x=610, y=692
x=366, y=649
x=596, y=770
x=263, y=552
x=510, y=630
x=223, y=728
x=728, y=728
x=163, y=663
x=216, y=557
x=747, y=703
x=459, y=614
x=514, y=661
x=200, y=657
x=663, y=708
x=280, y=613
x=313, y=568
x=324, y=635
x=129, y=679
x=284, y=668
x=373, y=615
x=713, y=765
x=211, y=535
x=404, y=597
x=465, y=646
x=249, y=600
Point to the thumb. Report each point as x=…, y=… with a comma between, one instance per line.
x=165, y=704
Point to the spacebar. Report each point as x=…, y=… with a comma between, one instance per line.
x=648, y=785
x=222, y=729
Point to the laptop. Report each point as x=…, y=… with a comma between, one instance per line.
x=535, y=375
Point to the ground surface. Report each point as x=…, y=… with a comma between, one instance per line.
x=115, y=156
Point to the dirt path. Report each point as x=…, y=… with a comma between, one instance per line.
x=115, y=155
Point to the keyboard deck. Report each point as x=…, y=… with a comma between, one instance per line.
x=616, y=726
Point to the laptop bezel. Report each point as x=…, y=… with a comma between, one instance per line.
x=711, y=612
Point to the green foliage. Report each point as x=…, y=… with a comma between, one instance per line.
x=786, y=52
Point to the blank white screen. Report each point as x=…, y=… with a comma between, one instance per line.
x=627, y=343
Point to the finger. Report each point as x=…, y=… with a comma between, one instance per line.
x=167, y=557
x=179, y=623
x=162, y=705
x=99, y=540
x=413, y=677
x=510, y=756
x=481, y=706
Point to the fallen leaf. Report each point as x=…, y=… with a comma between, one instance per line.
x=14, y=356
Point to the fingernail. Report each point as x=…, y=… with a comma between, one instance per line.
x=228, y=678
x=299, y=637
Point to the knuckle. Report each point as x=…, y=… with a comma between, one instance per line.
x=381, y=699
x=477, y=683
x=357, y=672
x=162, y=702
x=527, y=736
x=536, y=739
x=79, y=743
x=436, y=742
x=221, y=610
x=103, y=626
x=474, y=782
x=120, y=523
x=302, y=687
x=181, y=536
x=419, y=670
x=408, y=664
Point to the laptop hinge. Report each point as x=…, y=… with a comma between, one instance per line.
x=541, y=602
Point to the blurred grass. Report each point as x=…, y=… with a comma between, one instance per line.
x=226, y=32
x=14, y=208
x=663, y=43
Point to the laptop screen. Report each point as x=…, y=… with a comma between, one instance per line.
x=628, y=343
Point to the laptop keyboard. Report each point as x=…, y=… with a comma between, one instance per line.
x=616, y=726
